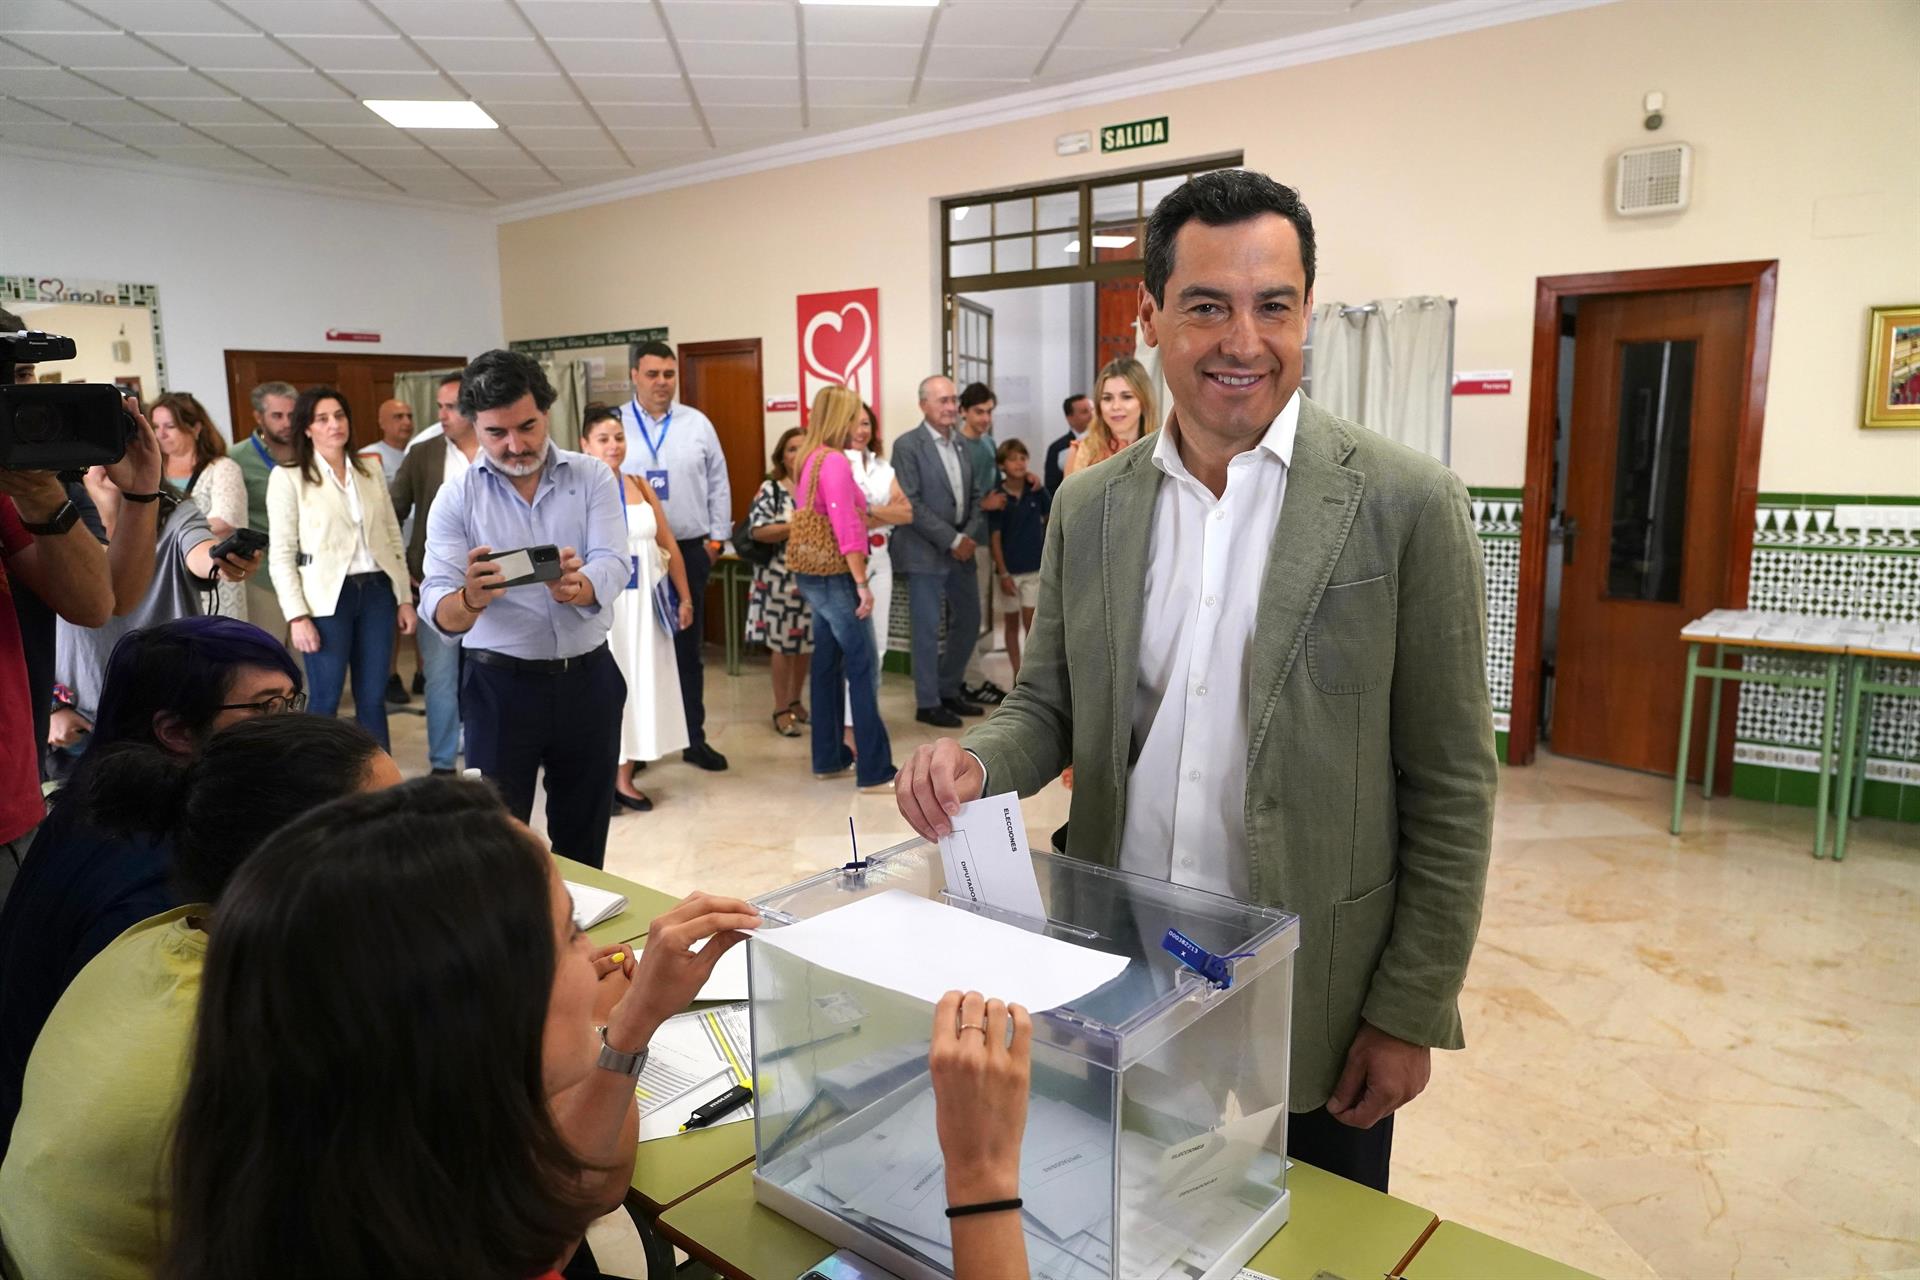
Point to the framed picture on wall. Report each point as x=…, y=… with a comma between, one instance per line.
x=1893, y=367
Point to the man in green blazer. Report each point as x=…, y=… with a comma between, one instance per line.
x=1261, y=643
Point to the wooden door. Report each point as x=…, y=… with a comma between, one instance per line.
x=722, y=380
x=1657, y=389
x=365, y=380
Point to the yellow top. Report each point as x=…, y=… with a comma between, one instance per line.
x=83, y=1190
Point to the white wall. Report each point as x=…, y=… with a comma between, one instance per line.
x=246, y=267
x=1034, y=364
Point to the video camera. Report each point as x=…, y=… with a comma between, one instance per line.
x=67, y=426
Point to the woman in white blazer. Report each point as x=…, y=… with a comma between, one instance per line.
x=339, y=567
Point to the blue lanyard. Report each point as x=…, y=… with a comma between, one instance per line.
x=265, y=457
x=640, y=422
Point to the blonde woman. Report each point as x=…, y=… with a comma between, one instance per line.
x=1123, y=411
x=841, y=600
x=196, y=466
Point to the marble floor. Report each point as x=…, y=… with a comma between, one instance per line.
x=1688, y=1057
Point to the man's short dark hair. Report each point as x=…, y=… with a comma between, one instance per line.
x=451, y=377
x=497, y=379
x=641, y=349
x=1220, y=199
x=1066, y=406
x=976, y=394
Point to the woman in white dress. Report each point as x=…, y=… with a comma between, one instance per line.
x=655, y=722
x=887, y=506
x=197, y=467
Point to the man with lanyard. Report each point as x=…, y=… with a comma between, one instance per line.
x=539, y=688
x=270, y=446
x=676, y=448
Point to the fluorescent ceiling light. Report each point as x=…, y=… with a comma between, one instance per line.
x=878, y=4
x=1102, y=242
x=408, y=113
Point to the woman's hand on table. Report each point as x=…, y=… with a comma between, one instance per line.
x=670, y=972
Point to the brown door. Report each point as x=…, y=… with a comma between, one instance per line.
x=1650, y=490
x=365, y=380
x=722, y=380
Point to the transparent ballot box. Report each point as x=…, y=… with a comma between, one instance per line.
x=1156, y=1127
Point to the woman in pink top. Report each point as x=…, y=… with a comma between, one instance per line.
x=844, y=658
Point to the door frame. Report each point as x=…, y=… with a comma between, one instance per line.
x=1760, y=279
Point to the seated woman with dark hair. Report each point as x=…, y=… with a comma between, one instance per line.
x=168, y=687
x=396, y=1070
x=83, y=1188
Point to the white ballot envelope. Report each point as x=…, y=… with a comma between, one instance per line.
x=987, y=859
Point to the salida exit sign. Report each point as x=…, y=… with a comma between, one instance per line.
x=1140, y=133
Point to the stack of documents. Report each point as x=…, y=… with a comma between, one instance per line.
x=593, y=906
x=693, y=1059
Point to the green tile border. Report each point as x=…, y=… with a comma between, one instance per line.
x=1891, y=801
x=1494, y=491
x=1836, y=500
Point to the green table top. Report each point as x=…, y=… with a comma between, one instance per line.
x=643, y=904
x=668, y=1170
x=1454, y=1252
x=1336, y=1226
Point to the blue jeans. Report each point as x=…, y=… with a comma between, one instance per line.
x=938, y=669
x=440, y=668
x=844, y=663
x=359, y=632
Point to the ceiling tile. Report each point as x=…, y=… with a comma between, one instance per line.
x=14, y=56
x=753, y=117
x=397, y=84
x=635, y=141
x=851, y=24
x=51, y=82
x=453, y=17
x=649, y=115
x=254, y=134
x=347, y=111
x=46, y=15
x=228, y=52
x=858, y=93
x=769, y=20
x=1139, y=31
x=734, y=58
x=334, y=54
x=92, y=49
x=374, y=133
x=312, y=17
x=933, y=91
x=742, y=139
x=652, y=160
x=744, y=91
x=587, y=177
x=828, y=118
x=109, y=111
x=855, y=61
x=521, y=114
x=202, y=111
x=1034, y=24
x=12, y=112
x=464, y=55
x=488, y=87
x=1226, y=27
x=151, y=82
x=286, y=155
x=595, y=19
x=582, y=158
x=616, y=57
x=632, y=89
x=982, y=62
x=151, y=16
x=1068, y=61
x=559, y=135
x=51, y=134
x=285, y=86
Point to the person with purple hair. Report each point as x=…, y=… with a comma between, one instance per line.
x=171, y=686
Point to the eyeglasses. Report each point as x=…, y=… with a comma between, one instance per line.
x=278, y=703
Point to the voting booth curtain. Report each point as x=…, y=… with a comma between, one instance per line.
x=1387, y=365
x=419, y=392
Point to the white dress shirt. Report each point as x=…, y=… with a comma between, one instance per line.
x=947, y=449
x=363, y=561
x=1186, y=817
x=457, y=464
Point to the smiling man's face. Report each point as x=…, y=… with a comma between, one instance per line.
x=1233, y=324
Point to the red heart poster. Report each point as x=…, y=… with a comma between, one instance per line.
x=839, y=344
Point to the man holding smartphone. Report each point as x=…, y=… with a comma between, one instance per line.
x=539, y=688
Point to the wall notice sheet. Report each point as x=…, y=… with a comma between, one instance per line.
x=693, y=1059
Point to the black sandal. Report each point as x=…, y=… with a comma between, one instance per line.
x=798, y=712
x=792, y=729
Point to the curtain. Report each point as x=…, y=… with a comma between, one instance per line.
x=1149, y=358
x=1388, y=366
x=419, y=391
x=569, y=379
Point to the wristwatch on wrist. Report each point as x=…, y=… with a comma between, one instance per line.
x=626, y=1064
x=62, y=520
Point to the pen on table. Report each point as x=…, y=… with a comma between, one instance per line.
x=707, y=1113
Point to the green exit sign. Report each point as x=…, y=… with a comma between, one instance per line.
x=1141, y=133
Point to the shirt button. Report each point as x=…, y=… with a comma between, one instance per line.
x=1210, y=600
x=1202, y=691
x=1193, y=775
x=1219, y=515
x=1186, y=862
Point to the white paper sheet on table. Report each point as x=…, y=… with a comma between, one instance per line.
x=925, y=949
x=693, y=1059
x=987, y=860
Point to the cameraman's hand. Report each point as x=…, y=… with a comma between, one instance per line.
x=37, y=495
x=235, y=567
x=483, y=579
x=306, y=636
x=138, y=470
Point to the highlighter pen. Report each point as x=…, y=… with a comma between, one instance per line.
x=706, y=1114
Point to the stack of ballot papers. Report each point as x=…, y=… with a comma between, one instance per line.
x=691, y=1060
x=593, y=906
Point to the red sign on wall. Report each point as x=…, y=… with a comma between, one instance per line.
x=1483, y=382
x=352, y=335
x=839, y=344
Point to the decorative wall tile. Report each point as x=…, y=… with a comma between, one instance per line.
x=1496, y=518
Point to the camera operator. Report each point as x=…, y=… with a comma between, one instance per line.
x=540, y=687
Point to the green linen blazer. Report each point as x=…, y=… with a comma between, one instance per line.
x=1370, y=757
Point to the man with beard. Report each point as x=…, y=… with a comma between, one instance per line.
x=270, y=446
x=539, y=688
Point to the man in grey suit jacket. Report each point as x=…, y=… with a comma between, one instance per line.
x=935, y=554
x=1269, y=674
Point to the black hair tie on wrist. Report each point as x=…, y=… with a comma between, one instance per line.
x=992, y=1206
x=142, y=497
